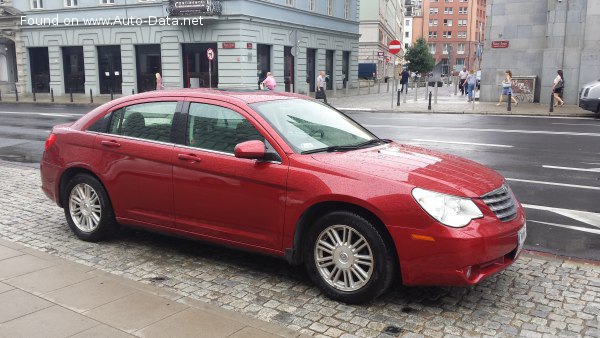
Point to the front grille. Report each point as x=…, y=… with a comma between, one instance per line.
x=502, y=202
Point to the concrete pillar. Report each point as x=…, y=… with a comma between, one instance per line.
x=170, y=57
x=277, y=61
x=128, y=66
x=301, y=84
x=237, y=66
x=90, y=65
x=338, y=56
x=56, y=69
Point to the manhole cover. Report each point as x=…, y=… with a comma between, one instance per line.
x=392, y=330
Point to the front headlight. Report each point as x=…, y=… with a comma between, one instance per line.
x=449, y=210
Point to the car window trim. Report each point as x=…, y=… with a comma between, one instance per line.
x=211, y=101
x=131, y=138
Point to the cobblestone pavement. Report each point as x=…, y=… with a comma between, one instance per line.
x=535, y=297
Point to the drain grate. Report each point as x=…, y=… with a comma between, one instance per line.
x=392, y=330
x=158, y=279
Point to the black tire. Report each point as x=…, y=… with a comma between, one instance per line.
x=382, y=271
x=106, y=224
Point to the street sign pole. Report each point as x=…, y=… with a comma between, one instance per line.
x=209, y=74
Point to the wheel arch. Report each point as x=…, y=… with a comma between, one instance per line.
x=68, y=174
x=309, y=216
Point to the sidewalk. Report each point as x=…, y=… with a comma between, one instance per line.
x=46, y=296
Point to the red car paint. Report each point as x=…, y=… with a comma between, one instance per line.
x=257, y=205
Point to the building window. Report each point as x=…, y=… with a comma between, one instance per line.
x=433, y=34
x=447, y=47
x=460, y=63
x=37, y=4
x=406, y=34
x=433, y=22
x=447, y=0
x=71, y=3
x=448, y=22
x=447, y=34
x=107, y=2
x=462, y=22
x=431, y=47
x=461, y=48
x=407, y=23
x=433, y=10
x=462, y=10
x=329, y=7
x=462, y=35
x=448, y=10
x=290, y=2
x=311, y=5
x=346, y=9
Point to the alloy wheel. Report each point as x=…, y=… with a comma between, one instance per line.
x=85, y=208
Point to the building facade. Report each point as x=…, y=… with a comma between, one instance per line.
x=454, y=32
x=119, y=45
x=10, y=47
x=536, y=38
x=381, y=21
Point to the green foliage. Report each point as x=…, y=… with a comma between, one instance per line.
x=419, y=59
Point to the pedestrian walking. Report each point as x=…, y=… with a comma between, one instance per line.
x=404, y=81
x=507, y=88
x=470, y=82
x=270, y=83
x=557, y=88
x=321, y=86
x=159, y=82
x=462, y=76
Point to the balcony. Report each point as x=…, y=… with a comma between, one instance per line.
x=194, y=7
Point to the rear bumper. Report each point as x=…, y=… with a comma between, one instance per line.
x=50, y=174
x=457, y=257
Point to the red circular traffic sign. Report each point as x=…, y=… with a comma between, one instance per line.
x=394, y=46
x=210, y=54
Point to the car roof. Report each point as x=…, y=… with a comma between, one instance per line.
x=244, y=95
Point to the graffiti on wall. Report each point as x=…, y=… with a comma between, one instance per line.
x=523, y=88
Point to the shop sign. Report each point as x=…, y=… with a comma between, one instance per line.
x=190, y=7
x=228, y=45
x=500, y=44
x=249, y=45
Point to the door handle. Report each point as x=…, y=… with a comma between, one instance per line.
x=188, y=157
x=111, y=143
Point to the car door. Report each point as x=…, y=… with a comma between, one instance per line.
x=135, y=162
x=220, y=196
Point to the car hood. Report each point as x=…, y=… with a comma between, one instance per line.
x=419, y=167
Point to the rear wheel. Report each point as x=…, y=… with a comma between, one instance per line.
x=347, y=258
x=87, y=208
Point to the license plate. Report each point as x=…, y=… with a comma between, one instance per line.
x=522, y=235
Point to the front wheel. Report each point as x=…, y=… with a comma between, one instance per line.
x=347, y=258
x=87, y=209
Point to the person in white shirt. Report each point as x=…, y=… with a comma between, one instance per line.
x=462, y=79
x=321, y=86
x=557, y=88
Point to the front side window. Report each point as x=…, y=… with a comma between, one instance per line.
x=149, y=121
x=307, y=125
x=218, y=128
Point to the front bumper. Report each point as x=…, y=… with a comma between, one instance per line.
x=589, y=104
x=458, y=257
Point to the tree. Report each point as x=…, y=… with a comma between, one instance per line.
x=418, y=57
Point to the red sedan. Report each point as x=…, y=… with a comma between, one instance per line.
x=288, y=176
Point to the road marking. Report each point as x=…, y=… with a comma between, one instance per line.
x=513, y=131
x=465, y=143
x=586, y=217
x=578, y=124
x=554, y=183
x=571, y=227
x=593, y=170
x=43, y=114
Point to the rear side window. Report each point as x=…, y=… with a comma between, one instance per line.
x=218, y=128
x=149, y=121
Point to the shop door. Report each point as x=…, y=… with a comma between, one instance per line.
x=263, y=61
x=74, y=73
x=148, y=64
x=329, y=68
x=196, y=65
x=109, y=69
x=311, y=58
x=288, y=68
x=40, y=69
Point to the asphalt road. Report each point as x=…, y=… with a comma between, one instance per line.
x=552, y=164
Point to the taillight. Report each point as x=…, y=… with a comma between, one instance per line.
x=49, y=141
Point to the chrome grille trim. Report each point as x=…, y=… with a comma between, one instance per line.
x=502, y=203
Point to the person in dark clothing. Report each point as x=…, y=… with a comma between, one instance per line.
x=404, y=81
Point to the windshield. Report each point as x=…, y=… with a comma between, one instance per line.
x=308, y=125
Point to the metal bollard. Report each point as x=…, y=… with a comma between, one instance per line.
x=33, y=92
x=552, y=102
x=399, y=94
x=369, y=84
x=91, y=97
x=71, y=93
x=509, y=106
x=435, y=90
x=51, y=95
x=111, y=94
x=429, y=107
x=0, y=96
x=17, y=93
x=132, y=92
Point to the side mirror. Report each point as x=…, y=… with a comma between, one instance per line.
x=254, y=150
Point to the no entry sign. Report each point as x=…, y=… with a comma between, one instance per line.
x=394, y=47
x=210, y=54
